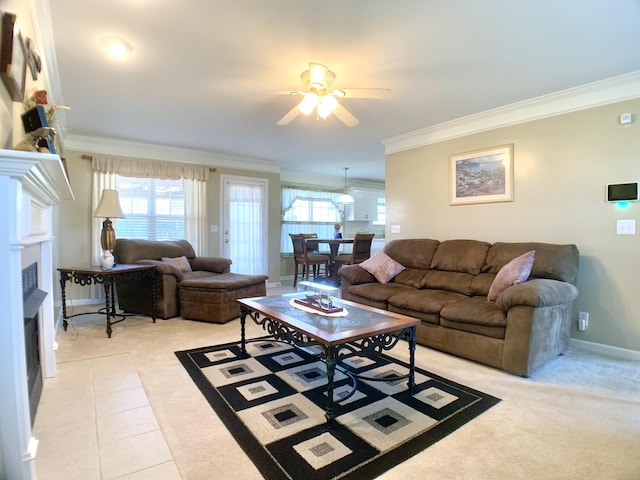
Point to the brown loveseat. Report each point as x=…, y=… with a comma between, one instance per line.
x=208, y=291
x=445, y=285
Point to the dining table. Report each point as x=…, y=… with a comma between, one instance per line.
x=334, y=247
x=334, y=244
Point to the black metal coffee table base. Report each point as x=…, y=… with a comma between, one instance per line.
x=369, y=343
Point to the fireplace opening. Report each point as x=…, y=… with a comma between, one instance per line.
x=32, y=298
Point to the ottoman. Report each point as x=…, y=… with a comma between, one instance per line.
x=213, y=298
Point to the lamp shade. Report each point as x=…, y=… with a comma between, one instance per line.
x=109, y=205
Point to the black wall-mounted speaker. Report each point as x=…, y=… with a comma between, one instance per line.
x=622, y=192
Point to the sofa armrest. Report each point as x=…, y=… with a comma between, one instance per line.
x=164, y=268
x=211, y=264
x=355, y=274
x=539, y=292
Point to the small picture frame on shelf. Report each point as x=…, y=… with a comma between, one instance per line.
x=34, y=119
x=13, y=57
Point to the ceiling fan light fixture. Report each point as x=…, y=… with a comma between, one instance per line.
x=326, y=105
x=308, y=103
x=318, y=77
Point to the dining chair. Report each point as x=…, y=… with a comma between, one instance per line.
x=306, y=254
x=360, y=252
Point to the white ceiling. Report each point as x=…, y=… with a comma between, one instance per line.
x=200, y=70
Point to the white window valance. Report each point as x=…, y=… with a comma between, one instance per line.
x=132, y=167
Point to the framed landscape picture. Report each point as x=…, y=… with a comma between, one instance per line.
x=482, y=176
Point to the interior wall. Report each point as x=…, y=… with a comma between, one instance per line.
x=214, y=189
x=74, y=226
x=75, y=216
x=561, y=167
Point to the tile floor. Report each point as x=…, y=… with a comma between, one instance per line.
x=95, y=420
x=98, y=409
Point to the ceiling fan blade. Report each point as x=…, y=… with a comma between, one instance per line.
x=380, y=93
x=286, y=120
x=345, y=116
x=281, y=92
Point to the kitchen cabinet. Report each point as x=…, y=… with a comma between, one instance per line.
x=365, y=206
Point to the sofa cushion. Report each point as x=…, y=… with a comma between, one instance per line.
x=377, y=291
x=211, y=264
x=484, y=330
x=382, y=266
x=131, y=250
x=465, y=256
x=454, y=281
x=181, y=263
x=557, y=262
x=197, y=274
x=514, y=272
x=412, y=253
x=481, y=283
x=222, y=282
x=472, y=313
x=355, y=274
x=428, y=301
x=412, y=277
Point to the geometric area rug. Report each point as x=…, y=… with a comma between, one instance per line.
x=273, y=402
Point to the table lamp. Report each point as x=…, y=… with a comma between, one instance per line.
x=108, y=208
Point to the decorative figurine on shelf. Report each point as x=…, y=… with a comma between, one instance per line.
x=39, y=112
x=336, y=230
x=39, y=140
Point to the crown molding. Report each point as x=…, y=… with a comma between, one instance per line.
x=109, y=146
x=603, y=92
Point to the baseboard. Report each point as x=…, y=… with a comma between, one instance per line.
x=606, y=350
x=274, y=285
x=80, y=301
x=73, y=303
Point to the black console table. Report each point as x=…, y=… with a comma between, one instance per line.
x=96, y=275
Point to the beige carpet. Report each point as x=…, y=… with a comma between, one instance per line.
x=578, y=417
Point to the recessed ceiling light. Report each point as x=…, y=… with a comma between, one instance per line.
x=116, y=47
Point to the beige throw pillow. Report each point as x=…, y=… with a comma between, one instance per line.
x=382, y=266
x=181, y=263
x=514, y=272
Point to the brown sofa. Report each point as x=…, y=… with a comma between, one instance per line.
x=445, y=284
x=210, y=290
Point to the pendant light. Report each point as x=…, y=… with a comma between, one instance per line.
x=345, y=198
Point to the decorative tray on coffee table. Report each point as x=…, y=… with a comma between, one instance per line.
x=322, y=303
x=317, y=296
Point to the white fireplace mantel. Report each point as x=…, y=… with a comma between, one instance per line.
x=30, y=185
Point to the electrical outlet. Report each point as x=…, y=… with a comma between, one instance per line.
x=583, y=321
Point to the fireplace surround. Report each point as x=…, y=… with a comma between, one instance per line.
x=31, y=184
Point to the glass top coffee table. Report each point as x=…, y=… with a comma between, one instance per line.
x=371, y=330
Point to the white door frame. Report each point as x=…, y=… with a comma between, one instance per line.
x=224, y=212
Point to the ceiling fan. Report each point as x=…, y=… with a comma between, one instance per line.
x=319, y=97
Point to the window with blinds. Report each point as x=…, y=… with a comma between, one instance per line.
x=154, y=208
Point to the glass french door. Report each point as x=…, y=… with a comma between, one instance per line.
x=244, y=223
